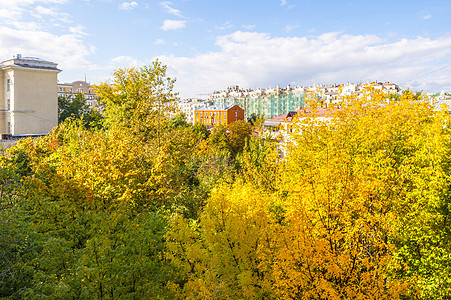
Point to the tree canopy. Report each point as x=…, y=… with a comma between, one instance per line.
x=75, y=107
x=357, y=209
x=147, y=206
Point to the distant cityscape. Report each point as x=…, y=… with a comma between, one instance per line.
x=29, y=106
x=273, y=102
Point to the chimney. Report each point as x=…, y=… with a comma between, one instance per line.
x=19, y=56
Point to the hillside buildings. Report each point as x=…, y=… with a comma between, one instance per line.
x=262, y=102
x=28, y=96
x=277, y=101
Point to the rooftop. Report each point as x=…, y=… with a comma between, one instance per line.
x=218, y=107
x=288, y=117
x=29, y=62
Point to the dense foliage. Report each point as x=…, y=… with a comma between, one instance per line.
x=76, y=107
x=146, y=206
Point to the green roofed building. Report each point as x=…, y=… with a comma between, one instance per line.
x=272, y=102
x=266, y=103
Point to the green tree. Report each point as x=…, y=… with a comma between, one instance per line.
x=259, y=163
x=93, y=203
x=18, y=243
x=217, y=140
x=238, y=133
x=85, y=224
x=138, y=101
x=256, y=120
x=178, y=121
x=75, y=107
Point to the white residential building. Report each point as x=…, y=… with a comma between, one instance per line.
x=28, y=96
x=72, y=89
x=188, y=106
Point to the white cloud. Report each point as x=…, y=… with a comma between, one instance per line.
x=289, y=28
x=427, y=17
x=68, y=50
x=46, y=11
x=226, y=25
x=159, y=42
x=38, y=28
x=128, y=5
x=78, y=30
x=17, y=13
x=171, y=10
x=173, y=24
x=125, y=61
x=23, y=3
x=259, y=60
x=285, y=4
x=10, y=13
x=249, y=27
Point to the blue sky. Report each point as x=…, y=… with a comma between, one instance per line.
x=211, y=44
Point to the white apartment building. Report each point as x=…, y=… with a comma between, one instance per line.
x=72, y=89
x=188, y=106
x=28, y=96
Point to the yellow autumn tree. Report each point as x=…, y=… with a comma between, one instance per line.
x=227, y=254
x=350, y=177
x=358, y=210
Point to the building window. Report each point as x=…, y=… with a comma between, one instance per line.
x=236, y=114
x=8, y=85
x=8, y=104
x=9, y=127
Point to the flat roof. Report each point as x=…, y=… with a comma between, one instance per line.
x=214, y=107
x=30, y=62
